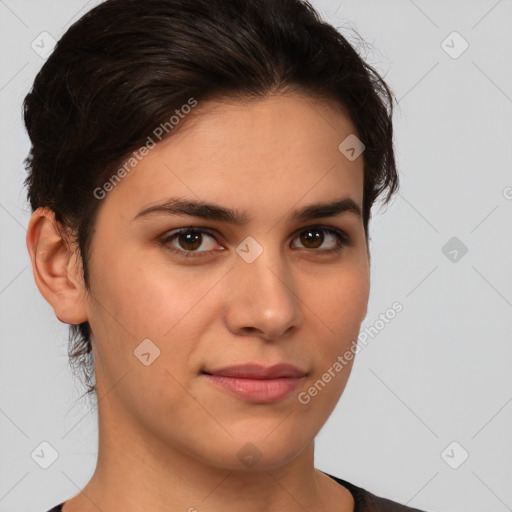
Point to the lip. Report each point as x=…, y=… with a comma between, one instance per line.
x=257, y=371
x=256, y=383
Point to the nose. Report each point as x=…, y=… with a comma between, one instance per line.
x=263, y=298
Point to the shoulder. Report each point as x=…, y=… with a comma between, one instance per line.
x=57, y=508
x=365, y=501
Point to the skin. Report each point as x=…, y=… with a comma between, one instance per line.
x=168, y=438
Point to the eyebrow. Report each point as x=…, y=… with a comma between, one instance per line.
x=211, y=211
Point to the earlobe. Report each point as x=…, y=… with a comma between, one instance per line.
x=54, y=266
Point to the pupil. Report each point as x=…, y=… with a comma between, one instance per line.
x=191, y=239
x=312, y=238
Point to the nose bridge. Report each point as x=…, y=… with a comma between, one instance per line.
x=264, y=297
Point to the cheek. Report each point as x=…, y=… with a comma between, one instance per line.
x=340, y=300
x=152, y=300
x=134, y=303
x=337, y=310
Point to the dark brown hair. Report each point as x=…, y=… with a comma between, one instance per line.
x=127, y=65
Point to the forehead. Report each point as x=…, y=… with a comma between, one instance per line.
x=258, y=154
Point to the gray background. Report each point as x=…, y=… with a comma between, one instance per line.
x=439, y=372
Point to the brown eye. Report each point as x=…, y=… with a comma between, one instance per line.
x=188, y=241
x=314, y=237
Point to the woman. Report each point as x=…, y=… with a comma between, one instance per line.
x=201, y=179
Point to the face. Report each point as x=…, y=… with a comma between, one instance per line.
x=175, y=295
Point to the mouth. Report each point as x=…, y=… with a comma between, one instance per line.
x=257, y=371
x=256, y=383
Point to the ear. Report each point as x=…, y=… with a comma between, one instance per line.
x=55, y=269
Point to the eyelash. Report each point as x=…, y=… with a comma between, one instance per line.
x=343, y=240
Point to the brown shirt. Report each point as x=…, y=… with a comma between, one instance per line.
x=364, y=500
